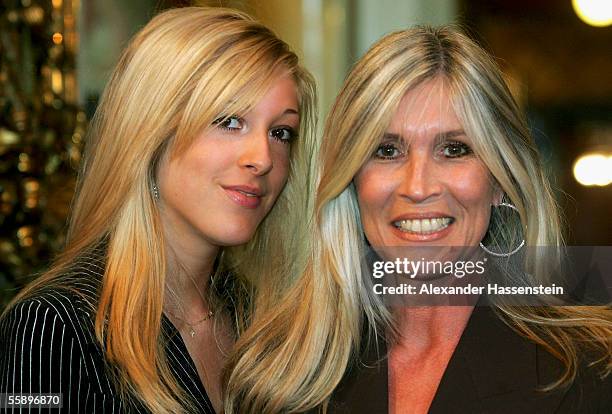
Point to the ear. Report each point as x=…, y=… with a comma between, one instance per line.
x=498, y=195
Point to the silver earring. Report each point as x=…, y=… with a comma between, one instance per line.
x=155, y=191
x=483, y=247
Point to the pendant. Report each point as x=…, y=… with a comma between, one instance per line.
x=191, y=332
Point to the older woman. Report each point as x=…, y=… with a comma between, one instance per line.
x=423, y=143
x=183, y=228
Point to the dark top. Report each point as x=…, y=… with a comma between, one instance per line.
x=493, y=370
x=48, y=345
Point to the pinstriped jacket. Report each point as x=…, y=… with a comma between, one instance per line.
x=48, y=345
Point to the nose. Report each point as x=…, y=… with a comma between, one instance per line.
x=256, y=154
x=421, y=180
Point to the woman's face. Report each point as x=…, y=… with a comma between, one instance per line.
x=424, y=186
x=218, y=191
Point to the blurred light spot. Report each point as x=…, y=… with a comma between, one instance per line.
x=594, y=12
x=593, y=169
x=57, y=38
x=34, y=15
x=8, y=137
x=56, y=81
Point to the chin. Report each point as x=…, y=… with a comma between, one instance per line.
x=235, y=239
x=229, y=231
x=238, y=242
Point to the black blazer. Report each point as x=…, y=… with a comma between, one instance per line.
x=48, y=345
x=493, y=370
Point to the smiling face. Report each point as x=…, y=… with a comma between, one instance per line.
x=424, y=186
x=218, y=191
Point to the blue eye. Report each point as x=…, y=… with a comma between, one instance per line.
x=387, y=151
x=231, y=123
x=456, y=149
x=283, y=134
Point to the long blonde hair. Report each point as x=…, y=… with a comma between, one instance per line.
x=482, y=101
x=182, y=71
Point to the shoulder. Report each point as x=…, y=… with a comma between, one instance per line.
x=73, y=291
x=58, y=304
x=66, y=306
x=49, y=317
x=48, y=343
x=524, y=361
x=590, y=391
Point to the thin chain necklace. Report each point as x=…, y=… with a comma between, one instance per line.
x=192, y=326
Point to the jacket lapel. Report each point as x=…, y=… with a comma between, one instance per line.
x=493, y=370
x=491, y=367
x=364, y=388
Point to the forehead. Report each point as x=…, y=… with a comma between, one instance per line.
x=427, y=107
x=281, y=94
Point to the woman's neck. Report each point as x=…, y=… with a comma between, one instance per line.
x=190, y=263
x=187, y=283
x=421, y=328
x=427, y=339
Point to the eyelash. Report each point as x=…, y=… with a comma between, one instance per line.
x=224, y=122
x=387, y=145
x=466, y=150
x=457, y=145
x=292, y=134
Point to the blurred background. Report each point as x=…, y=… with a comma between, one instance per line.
x=56, y=55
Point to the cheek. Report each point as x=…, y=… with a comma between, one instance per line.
x=282, y=157
x=174, y=178
x=374, y=187
x=281, y=162
x=473, y=189
x=473, y=186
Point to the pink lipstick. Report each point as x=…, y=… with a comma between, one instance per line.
x=244, y=195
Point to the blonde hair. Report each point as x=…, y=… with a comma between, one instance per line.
x=184, y=69
x=396, y=64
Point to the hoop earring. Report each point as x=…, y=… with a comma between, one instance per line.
x=155, y=191
x=486, y=249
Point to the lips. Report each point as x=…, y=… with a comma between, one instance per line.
x=244, y=196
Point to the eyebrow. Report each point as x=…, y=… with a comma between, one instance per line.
x=442, y=136
x=439, y=137
x=288, y=111
x=387, y=136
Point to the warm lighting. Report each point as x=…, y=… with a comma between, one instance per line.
x=57, y=84
x=57, y=38
x=593, y=169
x=594, y=12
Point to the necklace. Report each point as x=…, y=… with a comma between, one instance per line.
x=208, y=315
x=191, y=326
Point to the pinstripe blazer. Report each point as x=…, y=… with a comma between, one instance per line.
x=48, y=345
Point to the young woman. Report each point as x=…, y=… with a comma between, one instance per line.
x=186, y=223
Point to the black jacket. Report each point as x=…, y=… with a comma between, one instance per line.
x=493, y=370
x=48, y=345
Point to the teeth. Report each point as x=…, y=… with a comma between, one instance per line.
x=426, y=225
x=247, y=194
x=423, y=226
